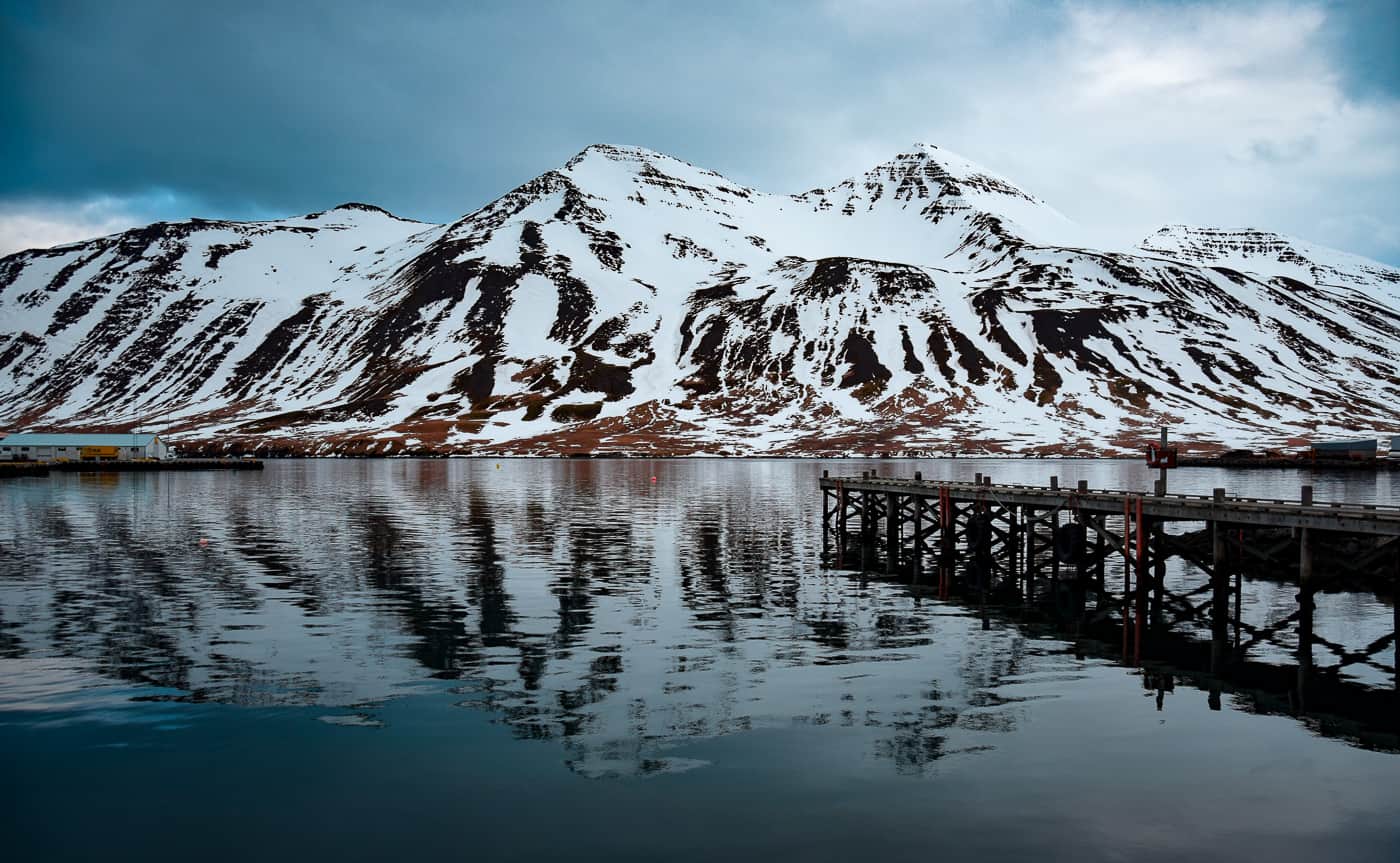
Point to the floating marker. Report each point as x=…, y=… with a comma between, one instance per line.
x=653, y=479
x=203, y=541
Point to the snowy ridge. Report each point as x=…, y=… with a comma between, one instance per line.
x=632, y=302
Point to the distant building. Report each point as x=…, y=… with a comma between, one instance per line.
x=81, y=447
x=1365, y=448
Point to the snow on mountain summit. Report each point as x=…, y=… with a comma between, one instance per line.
x=1265, y=252
x=631, y=301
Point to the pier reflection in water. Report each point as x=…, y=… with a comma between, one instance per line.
x=615, y=628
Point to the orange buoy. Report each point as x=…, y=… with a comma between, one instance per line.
x=203, y=541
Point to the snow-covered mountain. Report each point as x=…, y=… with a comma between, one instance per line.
x=632, y=302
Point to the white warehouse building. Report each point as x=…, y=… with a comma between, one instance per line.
x=81, y=447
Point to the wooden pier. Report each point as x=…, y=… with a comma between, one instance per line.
x=1104, y=554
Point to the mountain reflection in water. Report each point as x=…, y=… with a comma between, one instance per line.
x=573, y=601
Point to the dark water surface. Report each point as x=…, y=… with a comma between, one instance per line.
x=564, y=659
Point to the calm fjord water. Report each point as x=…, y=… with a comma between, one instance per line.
x=385, y=659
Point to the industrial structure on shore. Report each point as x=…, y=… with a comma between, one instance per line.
x=83, y=447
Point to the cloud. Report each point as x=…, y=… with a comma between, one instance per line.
x=1125, y=116
x=1129, y=117
x=41, y=224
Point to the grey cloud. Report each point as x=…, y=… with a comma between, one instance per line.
x=253, y=109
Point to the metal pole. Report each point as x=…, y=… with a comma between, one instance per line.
x=1161, y=489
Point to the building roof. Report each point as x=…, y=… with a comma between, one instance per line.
x=36, y=439
x=1365, y=443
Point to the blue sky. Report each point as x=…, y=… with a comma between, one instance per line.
x=1125, y=116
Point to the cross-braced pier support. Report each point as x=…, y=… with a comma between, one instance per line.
x=1035, y=544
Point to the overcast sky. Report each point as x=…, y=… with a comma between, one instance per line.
x=1125, y=116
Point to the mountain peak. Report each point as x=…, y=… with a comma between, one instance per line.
x=610, y=168
x=1267, y=253
x=946, y=167
x=625, y=154
x=351, y=207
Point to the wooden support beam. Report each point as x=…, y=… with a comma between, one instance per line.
x=867, y=525
x=827, y=516
x=1140, y=574
x=1305, y=613
x=1238, y=607
x=843, y=504
x=1013, y=541
x=1100, y=554
x=1220, y=583
x=917, y=551
x=892, y=519
x=1031, y=562
x=1159, y=568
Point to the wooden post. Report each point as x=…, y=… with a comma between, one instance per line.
x=946, y=541
x=843, y=501
x=1220, y=584
x=1127, y=570
x=866, y=520
x=1078, y=590
x=1013, y=541
x=1140, y=573
x=1159, y=569
x=1305, y=560
x=1100, y=552
x=1305, y=612
x=1054, y=528
x=917, y=563
x=892, y=520
x=826, y=520
x=1028, y=529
